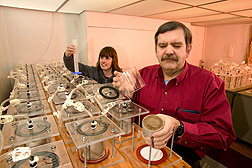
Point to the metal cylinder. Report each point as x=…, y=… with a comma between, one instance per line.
x=94, y=151
x=126, y=125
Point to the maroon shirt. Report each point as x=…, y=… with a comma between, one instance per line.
x=196, y=97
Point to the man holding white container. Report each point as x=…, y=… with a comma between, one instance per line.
x=190, y=100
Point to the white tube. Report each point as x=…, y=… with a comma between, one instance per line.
x=76, y=61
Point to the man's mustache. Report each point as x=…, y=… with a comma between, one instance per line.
x=169, y=57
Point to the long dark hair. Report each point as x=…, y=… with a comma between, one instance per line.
x=110, y=52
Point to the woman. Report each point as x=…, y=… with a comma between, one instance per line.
x=106, y=65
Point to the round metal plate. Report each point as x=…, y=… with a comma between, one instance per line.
x=33, y=95
x=109, y=92
x=39, y=127
x=46, y=160
x=85, y=128
x=22, y=108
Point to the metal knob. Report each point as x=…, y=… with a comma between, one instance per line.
x=9, y=159
x=12, y=138
x=84, y=138
x=53, y=148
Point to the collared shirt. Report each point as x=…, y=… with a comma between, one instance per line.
x=196, y=97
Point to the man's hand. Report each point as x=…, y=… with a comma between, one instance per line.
x=161, y=137
x=120, y=81
x=70, y=50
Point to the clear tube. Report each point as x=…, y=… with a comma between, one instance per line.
x=76, y=61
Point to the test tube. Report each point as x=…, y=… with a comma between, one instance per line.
x=76, y=61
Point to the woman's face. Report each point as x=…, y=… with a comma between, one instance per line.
x=105, y=62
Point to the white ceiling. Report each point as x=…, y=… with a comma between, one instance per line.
x=197, y=12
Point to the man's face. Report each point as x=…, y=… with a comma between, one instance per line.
x=171, y=50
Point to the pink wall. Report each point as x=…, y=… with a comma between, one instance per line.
x=132, y=37
x=219, y=36
x=198, y=42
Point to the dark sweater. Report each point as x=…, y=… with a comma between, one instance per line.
x=89, y=71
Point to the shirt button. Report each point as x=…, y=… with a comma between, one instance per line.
x=185, y=142
x=176, y=84
x=162, y=109
x=201, y=148
x=165, y=93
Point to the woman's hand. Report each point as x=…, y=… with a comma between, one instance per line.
x=70, y=50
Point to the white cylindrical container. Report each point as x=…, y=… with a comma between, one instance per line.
x=151, y=124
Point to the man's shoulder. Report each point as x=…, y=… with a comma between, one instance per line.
x=149, y=71
x=151, y=68
x=201, y=73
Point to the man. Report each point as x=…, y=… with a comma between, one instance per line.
x=190, y=100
